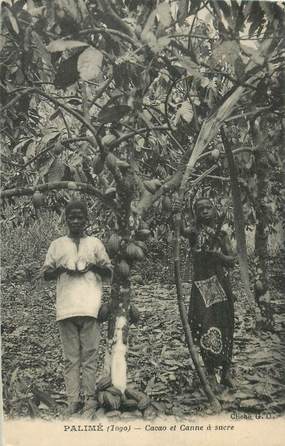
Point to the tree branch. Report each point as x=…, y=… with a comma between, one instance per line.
x=136, y=132
x=74, y=113
x=116, y=20
x=70, y=185
x=47, y=149
x=115, y=32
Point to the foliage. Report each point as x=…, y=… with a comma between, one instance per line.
x=119, y=101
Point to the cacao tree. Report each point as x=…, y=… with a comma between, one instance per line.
x=128, y=103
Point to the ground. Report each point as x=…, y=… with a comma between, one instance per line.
x=158, y=360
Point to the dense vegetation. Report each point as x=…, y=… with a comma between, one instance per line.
x=133, y=105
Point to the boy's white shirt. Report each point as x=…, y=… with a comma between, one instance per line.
x=78, y=295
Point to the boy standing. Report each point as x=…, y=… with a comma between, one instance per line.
x=78, y=263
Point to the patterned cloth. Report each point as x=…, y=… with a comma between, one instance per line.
x=211, y=312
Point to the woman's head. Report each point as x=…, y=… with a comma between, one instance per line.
x=205, y=210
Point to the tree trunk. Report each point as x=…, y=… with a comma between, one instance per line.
x=262, y=294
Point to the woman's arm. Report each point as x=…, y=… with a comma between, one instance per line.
x=226, y=256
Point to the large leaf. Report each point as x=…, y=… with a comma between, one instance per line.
x=62, y=45
x=185, y=111
x=56, y=171
x=13, y=21
x=89, y=63
x=115, y=113
x=227, y=51
x=191, y=67
x=164, y=14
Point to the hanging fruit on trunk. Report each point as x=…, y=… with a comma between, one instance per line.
x=113, y=244
x=104, y=313
x=124, y=268
x=215, y=153
x=98, y=165
x=123, y=165
x=108, y=139
x=141, y=244
x=134, y=252
x=152, y=185
x=166, y=204
x=37, y=199
x=111, y=161
x=134, y=315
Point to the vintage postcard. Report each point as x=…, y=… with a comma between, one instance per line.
x=142, y=222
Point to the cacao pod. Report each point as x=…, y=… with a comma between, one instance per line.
x=123, y=165
x=98, y=165
x=142, y=234
x=129, y=404
x=104, y=383
x=143, y=225
x=166, y=204
x=134, y=252
x=134, y=314
x=152, y=185
x=134, y=394
x=110, y=193
x=215, y=154
x=113, y=244
x=144, y=402
x=103, y=313
x=115, y=391
x=141, y=244
x=113, y=414
x=111, y=161
x=71, y=186
x=111, y=402
x=70, y=264
x=108, y=139
x=100, y=398
x=58, y=148
x=81, y=265
x=150, y=413
x=37, y=199
x=124, y=268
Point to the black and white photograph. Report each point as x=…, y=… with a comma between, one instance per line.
x=142, y=222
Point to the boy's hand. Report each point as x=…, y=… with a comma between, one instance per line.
x=101, y=268
x=60, y=270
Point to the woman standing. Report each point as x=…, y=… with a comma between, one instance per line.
x=211, y=310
